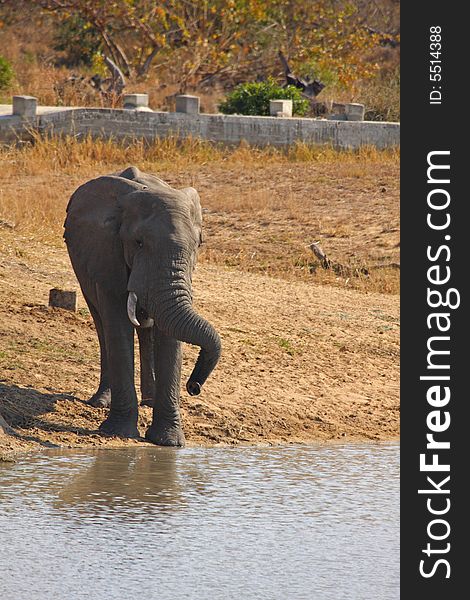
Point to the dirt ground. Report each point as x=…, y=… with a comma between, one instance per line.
x=305, y=357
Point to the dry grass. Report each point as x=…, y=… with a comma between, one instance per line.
x=263, y=207
x=71, y=153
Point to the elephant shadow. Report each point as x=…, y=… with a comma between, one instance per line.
x=22, y=408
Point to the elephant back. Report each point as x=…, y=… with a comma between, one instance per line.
x=153, y=182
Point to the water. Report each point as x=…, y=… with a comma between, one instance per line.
x=310, y=522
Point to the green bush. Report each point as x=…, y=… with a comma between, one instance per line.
x=328, y=75
x=6, y=73
x=253, y=98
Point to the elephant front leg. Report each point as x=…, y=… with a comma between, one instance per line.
x=165, y=429
x=147, y=362
x=119, y=339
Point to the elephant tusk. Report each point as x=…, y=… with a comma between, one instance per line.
x=131, y=308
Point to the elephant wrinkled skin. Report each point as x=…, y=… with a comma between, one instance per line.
x=133, y=241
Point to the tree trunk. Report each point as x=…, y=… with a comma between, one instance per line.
x=143, y=69
x=116, y=52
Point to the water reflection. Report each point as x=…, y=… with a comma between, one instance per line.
x=134, y=482
x=293, y=522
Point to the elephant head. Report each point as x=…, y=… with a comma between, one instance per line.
x=148, y=237
x=160, y=234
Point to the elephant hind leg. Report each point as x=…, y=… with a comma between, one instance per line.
x=147, y=365
x=102, y=397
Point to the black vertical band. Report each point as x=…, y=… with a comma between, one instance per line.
x=434, y=315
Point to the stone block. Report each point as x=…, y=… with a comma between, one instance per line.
x=354, y=112
x=25, y=106
x=63, y=299
x=284, y=107
x=135, y=101
x=187, y=104
x=346, y=111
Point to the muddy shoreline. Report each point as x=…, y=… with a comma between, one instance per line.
x=13, y=448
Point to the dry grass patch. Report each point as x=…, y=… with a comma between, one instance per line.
x=262, y=207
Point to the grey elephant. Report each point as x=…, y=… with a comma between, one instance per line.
x=133, y=242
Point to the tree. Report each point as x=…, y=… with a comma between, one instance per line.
x=201, y=39
x=134, y=32
x=325, y=37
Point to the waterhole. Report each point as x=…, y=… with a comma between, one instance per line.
x=294, y=522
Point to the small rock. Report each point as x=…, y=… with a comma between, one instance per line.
x=6, y=224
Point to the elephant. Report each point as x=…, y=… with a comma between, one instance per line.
x=133, y=242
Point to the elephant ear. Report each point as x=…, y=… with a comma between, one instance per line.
x=196, y=211
x=92, y=230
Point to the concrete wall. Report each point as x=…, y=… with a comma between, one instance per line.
x=13, y=129
x=278, y=131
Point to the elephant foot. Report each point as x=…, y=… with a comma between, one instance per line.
x=147, y=402
x=119, y=426
x=165, y=435
x=101, y=399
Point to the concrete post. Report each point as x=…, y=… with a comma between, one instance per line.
x=354, y=112
x=25, y=106
x=187, y=104
x=63, y=299
x=347, y=111
x=138, y=102
x=280, y=108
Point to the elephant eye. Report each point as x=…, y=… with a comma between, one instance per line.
x=139, y=243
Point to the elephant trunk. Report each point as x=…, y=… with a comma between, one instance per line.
x=175, y=316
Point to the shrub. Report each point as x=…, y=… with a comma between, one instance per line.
x=6, y=73
x=253, y=98
x=327, y=74
x=381, y=97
